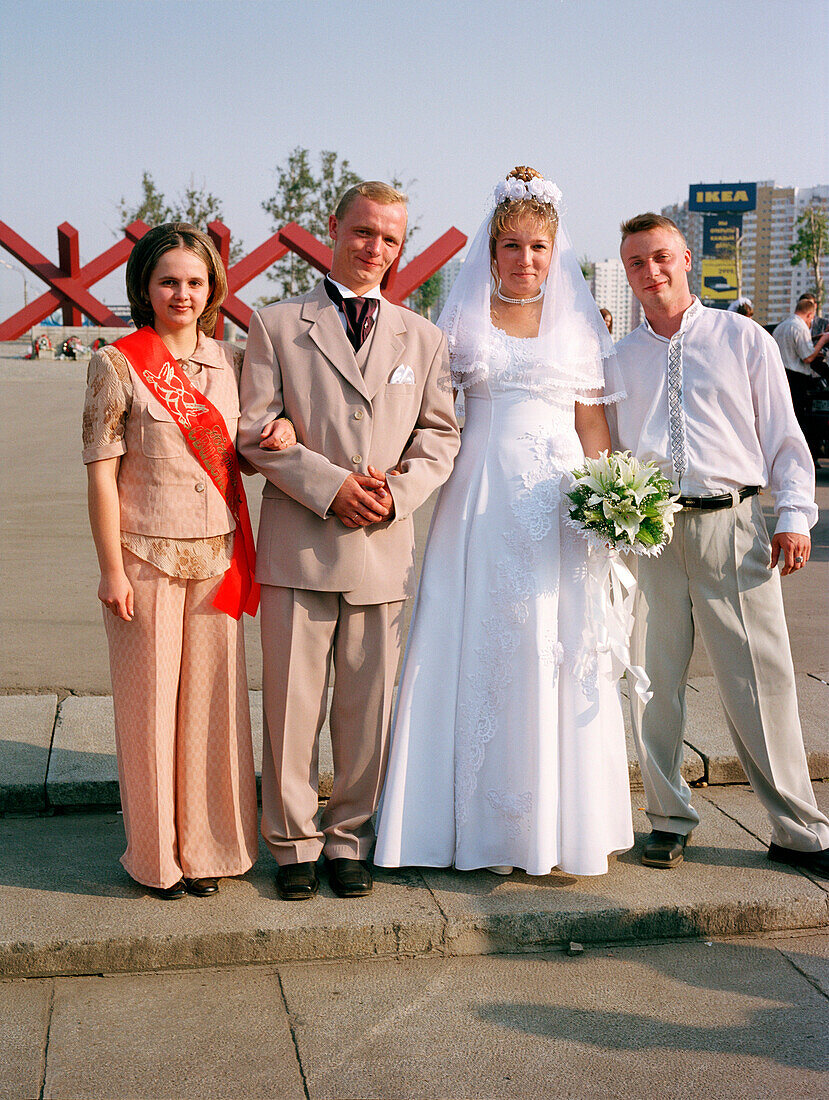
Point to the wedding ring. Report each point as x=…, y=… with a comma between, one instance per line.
x=798, y=560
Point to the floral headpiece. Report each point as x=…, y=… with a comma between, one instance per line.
x=513, y=190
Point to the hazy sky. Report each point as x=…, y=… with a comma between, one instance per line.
x=623, y=103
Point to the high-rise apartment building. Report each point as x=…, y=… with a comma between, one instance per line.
x=768, y=277
x=448, y=273
x=611, y=290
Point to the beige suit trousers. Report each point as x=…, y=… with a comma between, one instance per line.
x=303, y=633
x=714, y=577
x=182, y=731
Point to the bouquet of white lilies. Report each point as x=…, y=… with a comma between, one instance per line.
x=622, y=502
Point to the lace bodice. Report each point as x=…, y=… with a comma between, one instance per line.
x=514, y=364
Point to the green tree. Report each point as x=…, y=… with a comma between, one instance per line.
x=588, y=268
x=426, y=295
x=810, y=245
x=151, y=208
x=195, y=205
x=307, y=198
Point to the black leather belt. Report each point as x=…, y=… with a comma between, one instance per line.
x=722, y=500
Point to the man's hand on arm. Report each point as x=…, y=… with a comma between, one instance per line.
x=794, y=549
x=361, y=501
x=277, y=435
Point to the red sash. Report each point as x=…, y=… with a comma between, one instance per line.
x=205, y=431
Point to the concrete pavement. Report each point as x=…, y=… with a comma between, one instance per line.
x=739, y=1018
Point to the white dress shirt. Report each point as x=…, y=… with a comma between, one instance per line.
x=711, y=407
x=346, y=293
x=794, y=339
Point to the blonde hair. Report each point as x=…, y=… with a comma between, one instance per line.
x=509, y=213
x=641, y=223
x=144, y=258
x=375, y=190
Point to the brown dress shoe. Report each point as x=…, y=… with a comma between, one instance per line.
x=169, y=893
x=349, y=878
x=663, y=849
x=201, y=887
x=297, y=881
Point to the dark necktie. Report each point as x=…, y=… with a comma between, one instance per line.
x=359, y=314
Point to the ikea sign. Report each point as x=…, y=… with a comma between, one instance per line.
x=710, y=198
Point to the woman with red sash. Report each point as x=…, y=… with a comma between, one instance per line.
x=175, y=548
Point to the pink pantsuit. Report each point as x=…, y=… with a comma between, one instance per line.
x=182, y=721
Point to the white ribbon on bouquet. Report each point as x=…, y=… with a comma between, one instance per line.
x=611, y=595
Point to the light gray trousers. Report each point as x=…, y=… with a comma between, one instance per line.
x=714, y=577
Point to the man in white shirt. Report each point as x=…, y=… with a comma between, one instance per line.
x=794, y=338
x=708, y=402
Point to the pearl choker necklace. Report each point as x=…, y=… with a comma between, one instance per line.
x=519, y=301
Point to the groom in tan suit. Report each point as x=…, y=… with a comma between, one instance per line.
x=366, y=385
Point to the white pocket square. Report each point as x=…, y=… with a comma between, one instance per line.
x=403, y=374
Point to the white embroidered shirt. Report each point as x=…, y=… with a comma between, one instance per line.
x=711, y=406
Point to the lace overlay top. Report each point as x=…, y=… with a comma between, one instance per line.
x=106, y=407
x=515, y=363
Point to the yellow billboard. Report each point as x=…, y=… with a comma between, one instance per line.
x=719, y=279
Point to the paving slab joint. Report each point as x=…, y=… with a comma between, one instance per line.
x=804, y=973
x=704, y=779
x=47, y=806
x=736, y=820
x=44, y=1054
x=294, y=1039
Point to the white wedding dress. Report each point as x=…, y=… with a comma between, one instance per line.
x=507, y=744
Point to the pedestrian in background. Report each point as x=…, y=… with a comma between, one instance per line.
x=743, y=306
x=798, y=352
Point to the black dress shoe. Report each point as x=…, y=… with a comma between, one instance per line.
x=201, y=887
x=169, y=893
x=664, y=849
x=349, y=878
x=815, y=862
x=297, y=881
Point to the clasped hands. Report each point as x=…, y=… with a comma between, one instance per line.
x=361, y=499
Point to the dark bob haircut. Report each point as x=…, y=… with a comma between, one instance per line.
x=149, y=250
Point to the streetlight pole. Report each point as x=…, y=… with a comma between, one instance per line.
x=22, y=275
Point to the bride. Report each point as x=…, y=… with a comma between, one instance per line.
x=508, y=746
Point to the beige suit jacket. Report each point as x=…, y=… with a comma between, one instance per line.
x=300, y=364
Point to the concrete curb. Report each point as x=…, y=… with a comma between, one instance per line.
x=69, y=909
x=518, y=933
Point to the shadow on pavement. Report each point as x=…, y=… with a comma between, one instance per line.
x=758, y=974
